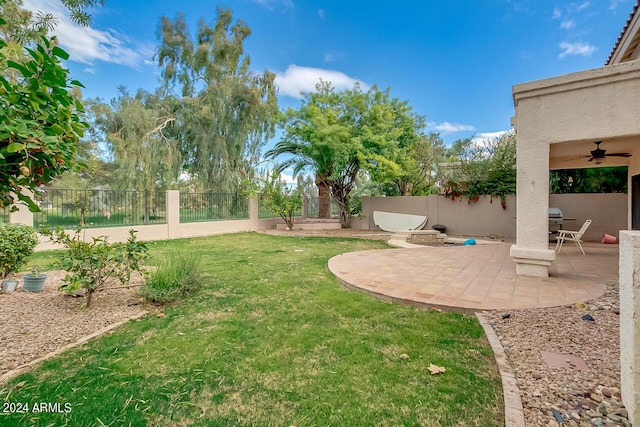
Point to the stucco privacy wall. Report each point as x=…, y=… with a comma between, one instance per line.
x=608, y=212
x=482, y=218
x=173, y=229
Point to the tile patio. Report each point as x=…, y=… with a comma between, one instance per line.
x=474, y=278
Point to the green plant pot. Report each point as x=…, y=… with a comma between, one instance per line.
x=9, y=285
x=34, y=283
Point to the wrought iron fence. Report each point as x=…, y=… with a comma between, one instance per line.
x=99, y=208
x=4, y=214
x=195, y=207
x=313, y=208
x=264, y=212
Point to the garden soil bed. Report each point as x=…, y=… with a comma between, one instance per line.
x=35, y=324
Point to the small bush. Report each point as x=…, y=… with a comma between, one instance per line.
x=96, y=264
x=179, y=276
x=17, y=242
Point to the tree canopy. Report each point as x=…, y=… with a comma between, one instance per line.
x=40, y=122
x=225, y=112
x=337, y=134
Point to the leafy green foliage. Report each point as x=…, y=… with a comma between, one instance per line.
x=224, y=112
x=135, y=127
x=281, y=199
x=338, y=134
x=96, y=264
x=589, y=180
x=39, y=119
x=17, y=242
x=179, y=275
x=486, y=169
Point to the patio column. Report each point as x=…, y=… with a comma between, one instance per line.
x=531, y=252
x=629, y=265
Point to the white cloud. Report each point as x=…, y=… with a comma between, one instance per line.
x=613, y=4
x=328, y=57
x=271, y=4
x=286, y=176
x=297, y=80
x=447, y=127
x=556, y=13
x=578, y=7
x=86, y=44
x=584, y=49
x=485, y=137
x=322, y=13
x=567, y=24
x=90, y=70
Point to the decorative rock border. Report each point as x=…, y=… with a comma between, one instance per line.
x=513, y=411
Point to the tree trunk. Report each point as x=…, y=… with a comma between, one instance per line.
x=324, y=199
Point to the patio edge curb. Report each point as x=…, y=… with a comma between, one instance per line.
x=513, y=411
x=25, y=367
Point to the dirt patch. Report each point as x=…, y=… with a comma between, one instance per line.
x=36, y=324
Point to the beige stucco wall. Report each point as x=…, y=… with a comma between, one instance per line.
x=607, y=211
x=482, y=218
x=173, y=229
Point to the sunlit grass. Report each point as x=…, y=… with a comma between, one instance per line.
x=272, y=339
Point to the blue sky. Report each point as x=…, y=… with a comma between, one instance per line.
x=454, y=61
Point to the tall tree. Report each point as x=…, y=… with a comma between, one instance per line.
x=337, y=134
x=146, y=154
x=227, y=112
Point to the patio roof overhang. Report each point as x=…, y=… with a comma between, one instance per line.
x=557, y=120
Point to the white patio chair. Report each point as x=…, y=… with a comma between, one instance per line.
x=572, y=236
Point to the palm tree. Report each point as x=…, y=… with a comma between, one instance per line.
x=307, y=156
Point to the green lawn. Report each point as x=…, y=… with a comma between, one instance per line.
x=272, y=339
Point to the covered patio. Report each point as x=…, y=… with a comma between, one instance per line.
x=467, y=279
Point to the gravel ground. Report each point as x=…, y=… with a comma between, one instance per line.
x=38, y=323
x=546, y=348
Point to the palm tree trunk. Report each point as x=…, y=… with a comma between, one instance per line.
x=324, y=199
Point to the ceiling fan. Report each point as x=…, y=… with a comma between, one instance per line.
x=598, y=155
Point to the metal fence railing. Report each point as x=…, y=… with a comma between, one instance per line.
x=264, y=212
x=98, y=208
x=195, y=207
x=313, y=208
x=4, y=214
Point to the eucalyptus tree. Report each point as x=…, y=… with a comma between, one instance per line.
x=226, y=111
x=335, y=135
x=147, y=155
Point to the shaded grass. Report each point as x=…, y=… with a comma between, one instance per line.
x=272, y=339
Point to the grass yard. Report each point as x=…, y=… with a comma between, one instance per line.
x=272, y=339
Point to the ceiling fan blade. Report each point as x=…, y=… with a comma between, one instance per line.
x=619, y=155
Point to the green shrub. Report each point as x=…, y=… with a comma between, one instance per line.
x=96, y=264
x=17, y=242
x=178, y=276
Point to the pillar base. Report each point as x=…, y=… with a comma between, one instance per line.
x=532, y=262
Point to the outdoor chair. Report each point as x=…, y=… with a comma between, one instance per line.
x=572, y=236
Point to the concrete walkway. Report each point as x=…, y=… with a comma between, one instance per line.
x=473, y=278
